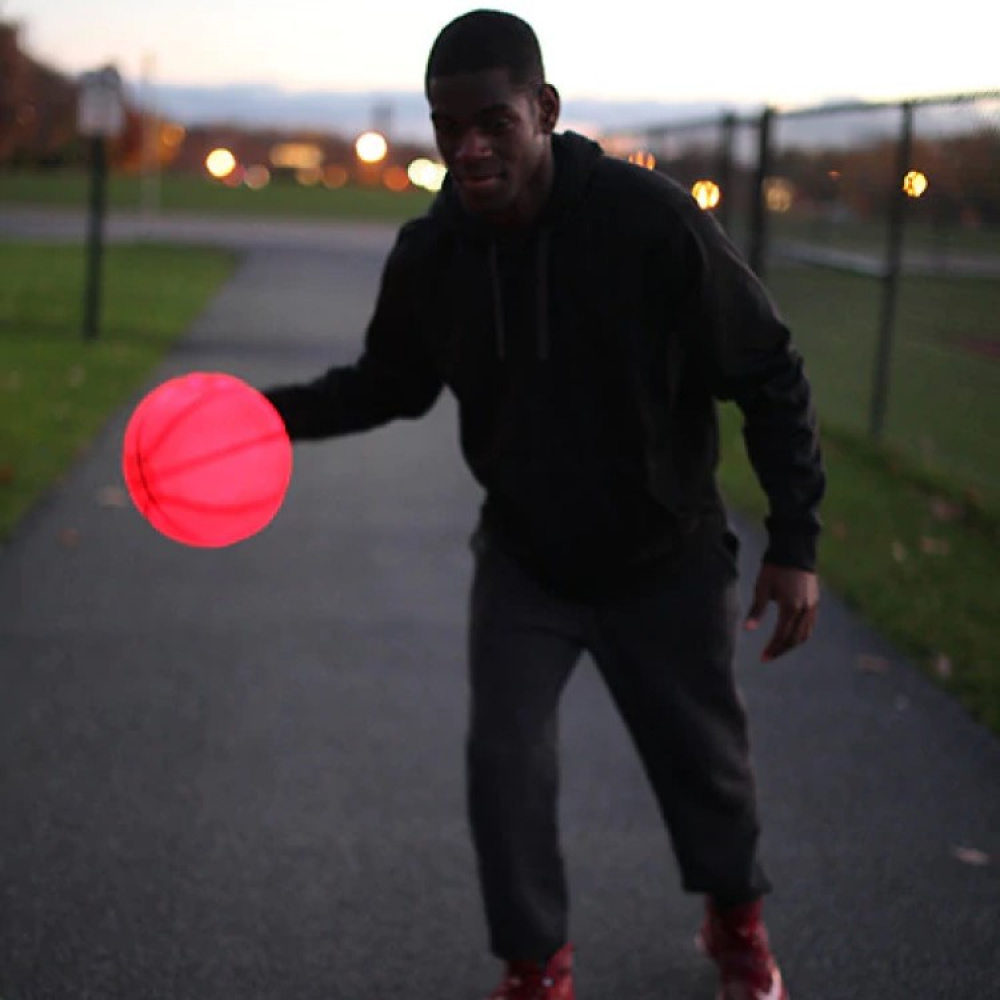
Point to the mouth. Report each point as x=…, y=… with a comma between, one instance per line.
x=478, y=185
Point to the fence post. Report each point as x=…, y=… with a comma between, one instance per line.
x=95, y=236
x=890, y=279
x=727, y=128
x=757, y=255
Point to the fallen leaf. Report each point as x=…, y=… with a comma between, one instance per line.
x=112, y=496
x=69, y=538
x=899, y=552
x=6, y=475
x=935, y=546
x=943, y=509
x=974, y=496
x=971, y=856
x=869, y=664
x=76, y=376
x=942, y=666
x=839, y=530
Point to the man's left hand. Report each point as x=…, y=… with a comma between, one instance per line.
x=796, y=592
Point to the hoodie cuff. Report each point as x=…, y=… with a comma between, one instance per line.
x=795, y=549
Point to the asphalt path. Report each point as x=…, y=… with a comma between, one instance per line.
x=237, y=774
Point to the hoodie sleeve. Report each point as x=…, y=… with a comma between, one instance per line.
x=392, y=378
x=749, y=357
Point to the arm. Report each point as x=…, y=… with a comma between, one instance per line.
x=749, y=357
x=392, y=378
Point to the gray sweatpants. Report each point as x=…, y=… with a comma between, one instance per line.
x=664, y=647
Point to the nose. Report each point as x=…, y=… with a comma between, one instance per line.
x=473, y=145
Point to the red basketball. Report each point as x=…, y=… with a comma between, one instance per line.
x=206, y=459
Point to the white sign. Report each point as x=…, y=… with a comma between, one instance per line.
x=101, y=110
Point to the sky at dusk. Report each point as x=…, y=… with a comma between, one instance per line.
x=778, y=52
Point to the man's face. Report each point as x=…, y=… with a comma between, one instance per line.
x=494, y=139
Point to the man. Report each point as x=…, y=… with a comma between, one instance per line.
x=586, y=315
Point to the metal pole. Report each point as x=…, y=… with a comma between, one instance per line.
x=726, y=134
x=757, y=255
x=95, y=226
x=890, y=280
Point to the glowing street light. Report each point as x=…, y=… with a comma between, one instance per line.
x=371, y=147
x=296, y=156
x=426, y=174
x=915, y=183
x=396, y=179
x=643, y=159
x=335, y=176
x=778, y=194
x=708, y=194
x=257, y=177
x=220, y=163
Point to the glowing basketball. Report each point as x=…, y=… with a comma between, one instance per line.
x=206, y=459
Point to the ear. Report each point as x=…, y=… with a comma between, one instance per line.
x=549, y=106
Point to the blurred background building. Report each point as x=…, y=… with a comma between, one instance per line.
x=38, y=130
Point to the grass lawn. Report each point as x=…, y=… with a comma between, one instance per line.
x=944, y=394
x=56, y=389
x=203, y=195
x=916, y=560
x=869, y=235
x=912, y=536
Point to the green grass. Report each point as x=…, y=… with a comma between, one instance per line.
x=944, y=395
x=870, y=235
x=912, y=536
x=914, y=558
x=56, y=389
x=182, y=193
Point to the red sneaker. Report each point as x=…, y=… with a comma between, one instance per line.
x=552, y=980
x=737, y=941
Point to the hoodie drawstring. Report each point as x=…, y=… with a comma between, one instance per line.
x=541, y=298
x=542, y=294
x=498, y=323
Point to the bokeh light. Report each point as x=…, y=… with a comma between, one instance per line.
x=172, y=135
x=778, y=194
x=296, y=155
x=426, y=174
x=335, y=176
x=309, y=176
x=643, y=159
x=220, y=163
x=256, y=177
x=707, y=193
x=371, y=147
x=395, y=178
x=915, y=183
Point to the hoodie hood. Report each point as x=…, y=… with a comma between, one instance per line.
x=575, y=158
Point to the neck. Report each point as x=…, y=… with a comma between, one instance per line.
x=529, y=206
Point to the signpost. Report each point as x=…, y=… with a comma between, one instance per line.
x=101, y=116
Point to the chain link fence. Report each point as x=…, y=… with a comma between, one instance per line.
x=877, y=229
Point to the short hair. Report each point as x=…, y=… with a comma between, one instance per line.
x=487, y=39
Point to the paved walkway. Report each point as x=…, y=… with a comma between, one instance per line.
x=236, y=775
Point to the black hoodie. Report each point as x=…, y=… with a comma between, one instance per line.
x=585, y=354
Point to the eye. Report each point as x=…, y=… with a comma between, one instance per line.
x=444, y=128
x=498, y=124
